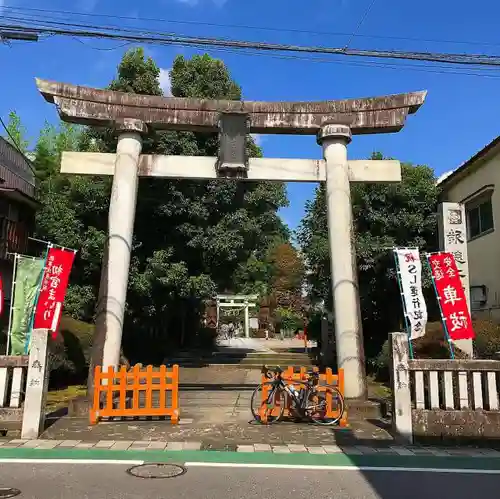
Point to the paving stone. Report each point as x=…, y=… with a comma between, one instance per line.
x=47, y=444
x=420, y=451
x=85, y=445
x=192, y=445
x=352, y=451
x=17, y=441
x=105, y=444
x=297, y=448
x=461, y=452
x=13, y=443
x=122, y=445
x=31, y=444
x=262, y=448
x=139, y=446
x=245, y=448
x=316, y=450
x=175, y=446
x=157, y=445
x=440, y=452
x=332, y=449
x=69, y=443
x=402, y=451
x=366, y=450
x=489, y=452
x=281, y=449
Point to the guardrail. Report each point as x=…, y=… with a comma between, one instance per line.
x=135, y=393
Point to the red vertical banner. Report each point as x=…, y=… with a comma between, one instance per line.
x=53, y=290
x=451, y=296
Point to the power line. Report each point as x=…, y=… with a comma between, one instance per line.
x=86, y=31
x=361, y=21
x=250, y=27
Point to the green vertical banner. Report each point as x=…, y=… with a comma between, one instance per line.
x=28, y=279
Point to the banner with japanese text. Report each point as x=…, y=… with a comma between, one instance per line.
x=54, y=284
x=27, y=279
x=410, y=280
x=451, y=296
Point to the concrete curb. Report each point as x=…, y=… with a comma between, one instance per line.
x=159, y=446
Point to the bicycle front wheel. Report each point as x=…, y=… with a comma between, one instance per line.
x=325, y=405
x=268, y=403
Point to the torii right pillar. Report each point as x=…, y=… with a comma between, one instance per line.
x=348, y=331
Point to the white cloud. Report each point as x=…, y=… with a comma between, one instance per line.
x=165, y=83
x=444, y=176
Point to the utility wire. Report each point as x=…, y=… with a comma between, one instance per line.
x=86, y=31
x=361, y=21
x=66, y=13
x=412, y=66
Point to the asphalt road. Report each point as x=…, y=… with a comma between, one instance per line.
x=99, y=481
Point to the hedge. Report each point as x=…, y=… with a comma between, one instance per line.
x=435, y=346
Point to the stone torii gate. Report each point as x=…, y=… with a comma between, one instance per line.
x=333, y=122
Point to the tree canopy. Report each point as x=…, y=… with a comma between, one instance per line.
x=190, y=238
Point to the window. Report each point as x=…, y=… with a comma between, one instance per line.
x=478, y=297
x=479, y=217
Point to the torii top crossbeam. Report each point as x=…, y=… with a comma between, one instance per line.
x=91, y=106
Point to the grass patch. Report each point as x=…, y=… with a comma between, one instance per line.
x=56, y=399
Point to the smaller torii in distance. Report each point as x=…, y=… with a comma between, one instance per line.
x=333, y=122
x=240, y=302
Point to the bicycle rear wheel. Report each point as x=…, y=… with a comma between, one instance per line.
x=325, y=406
x=267, y=403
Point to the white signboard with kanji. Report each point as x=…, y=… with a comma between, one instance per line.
x=410, y=278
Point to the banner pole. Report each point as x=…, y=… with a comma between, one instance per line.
x=405, y=313
x=39, y=286
x=11, y=308
x=443, y=318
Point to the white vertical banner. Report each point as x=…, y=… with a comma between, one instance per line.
x=410, y=281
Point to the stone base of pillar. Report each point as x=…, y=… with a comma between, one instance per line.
x=365, y=409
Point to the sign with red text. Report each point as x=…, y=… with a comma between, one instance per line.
x=53, y=290
x=451, y=296
x=410, y=281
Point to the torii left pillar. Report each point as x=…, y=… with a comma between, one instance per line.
x=114, y=281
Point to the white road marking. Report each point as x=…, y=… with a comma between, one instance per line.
x=71, y=461
x=313, y=467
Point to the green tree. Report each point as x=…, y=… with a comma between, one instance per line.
x=190, y=236
x=16, y=133
x=385, y=216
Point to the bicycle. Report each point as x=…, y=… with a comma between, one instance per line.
x=310, y=402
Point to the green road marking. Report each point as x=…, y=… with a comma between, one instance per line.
x=372, y=460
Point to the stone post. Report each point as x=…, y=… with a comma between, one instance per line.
x=247, y=322
x=121, y=228
x=400, y=383
x=348, y=334
x=452, y=230
x=37, y=385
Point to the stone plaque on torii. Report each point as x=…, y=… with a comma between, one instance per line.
x=333, y=122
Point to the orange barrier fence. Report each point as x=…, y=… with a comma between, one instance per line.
x=298, y=378
x=136, y=393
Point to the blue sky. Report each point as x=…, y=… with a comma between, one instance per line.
x=459, y=117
